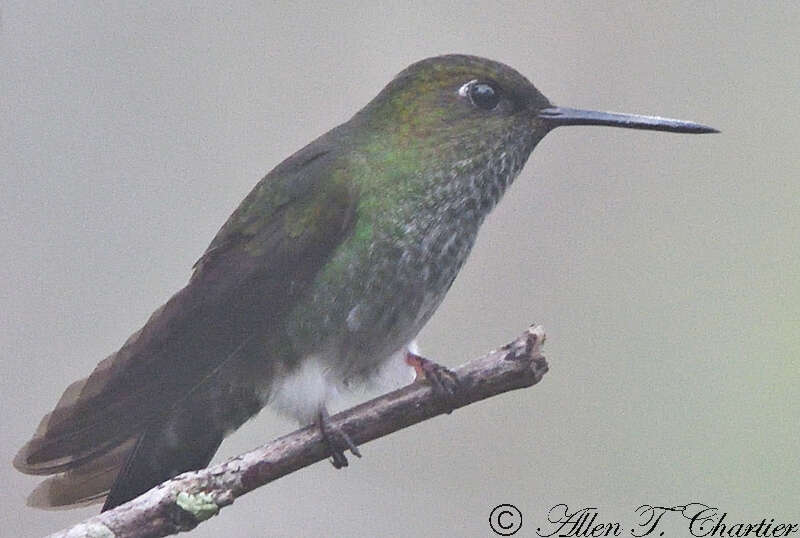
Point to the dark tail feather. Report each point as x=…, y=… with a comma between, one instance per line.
x=132, y=468
x=185, y=442
x=183, y=437
x=83, y=485
x=50, y=450
x=187, y=438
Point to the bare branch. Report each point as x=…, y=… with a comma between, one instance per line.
x=181, y=503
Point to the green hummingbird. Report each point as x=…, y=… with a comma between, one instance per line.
x=318, y=282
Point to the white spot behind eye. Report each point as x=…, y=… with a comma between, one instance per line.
x=464, y=90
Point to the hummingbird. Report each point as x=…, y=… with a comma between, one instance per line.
x=317, y=284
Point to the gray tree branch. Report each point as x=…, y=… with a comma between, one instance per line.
x=183, y=502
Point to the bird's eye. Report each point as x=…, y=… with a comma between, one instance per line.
x=484, y=95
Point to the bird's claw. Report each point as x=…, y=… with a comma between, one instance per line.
x=337, y=441
x=444, y=381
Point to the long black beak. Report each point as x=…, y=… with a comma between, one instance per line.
x=558, y=115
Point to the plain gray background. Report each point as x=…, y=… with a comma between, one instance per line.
x=664, y=267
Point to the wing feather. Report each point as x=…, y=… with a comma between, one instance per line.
x=256, y=267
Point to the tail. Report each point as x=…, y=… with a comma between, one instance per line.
x=83, y=485
x=184, y=442
x=158, y=407
x=183, y=438
x=84, y=472
x=190, y=433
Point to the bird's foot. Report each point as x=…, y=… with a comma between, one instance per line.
x=444, y=381
x=336, y=440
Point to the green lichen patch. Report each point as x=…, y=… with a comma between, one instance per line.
x=200, y=505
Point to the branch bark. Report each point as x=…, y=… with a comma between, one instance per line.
x=183, y=502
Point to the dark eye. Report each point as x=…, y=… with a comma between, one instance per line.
x=484, y=95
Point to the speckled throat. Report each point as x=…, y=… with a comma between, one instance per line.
x=414, y=232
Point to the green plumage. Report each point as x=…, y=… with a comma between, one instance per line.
x=323, y=274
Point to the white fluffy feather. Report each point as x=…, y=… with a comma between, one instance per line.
x=304, y=392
